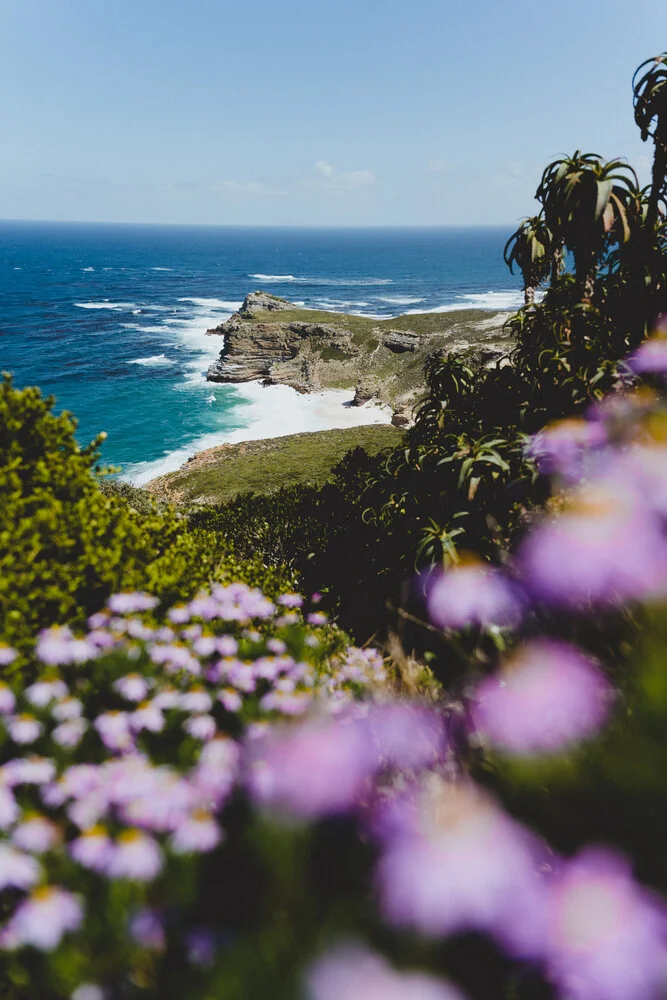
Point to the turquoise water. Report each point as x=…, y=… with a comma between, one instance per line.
x=111, y=319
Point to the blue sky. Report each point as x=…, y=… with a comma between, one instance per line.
x=287, y=112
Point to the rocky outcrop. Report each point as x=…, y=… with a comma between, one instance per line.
x=399, y=341
x=287, y=353
x=263, y=302
x=402, y=417
x=367, y=389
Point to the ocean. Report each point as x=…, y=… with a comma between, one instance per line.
x=111, y=319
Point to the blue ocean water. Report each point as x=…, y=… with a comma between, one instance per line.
x=111, y=319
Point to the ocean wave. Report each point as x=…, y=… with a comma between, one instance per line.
x=493, y=301
x=337, y=282
x=87, y=268
x=106, y=305
x=213, y=303
x=156, y=361
x=399, y=300
x=162, y=269
x=268, y=411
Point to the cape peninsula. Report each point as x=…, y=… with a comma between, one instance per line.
x=276, y=341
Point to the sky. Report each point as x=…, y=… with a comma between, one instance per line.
x=310, y=112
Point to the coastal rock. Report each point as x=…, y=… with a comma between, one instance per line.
x=367, y=389
x=400, y=341
x=263, y=302
x=402, y=418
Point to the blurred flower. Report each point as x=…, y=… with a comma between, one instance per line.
x=407, y=735
x=88, y=991
x=68, y=708
x=9, y=810
x=42, y=692
x=92, y=849
x=36, y=834
x=606, y=545
x=607, y=936
x=7, y=654
x=7, y=700
x=69, y=734
x=201, y=727
x=57, y=646
x=24, y=728
x=114, y=729
x=566, y=447
x=43, y=918
x=147, y=930
x=29, y=770
x=200, y=944
x=314, y=769
x=196, y=833
x=452, y=861
x=227, y=645
x=546, y=697
x=650, y=358
x=351, y=972
x=132, y=687
x=135, y=856
x=147, y=716
x=17, y=869
x=231, y=700
x=471, y=594
x=317, y=618
x=196, y=700
x=290, y=600
x=123, y=604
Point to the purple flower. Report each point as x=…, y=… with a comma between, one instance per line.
x=36, y=834
x=88, y=991
x=227, y=645
x=607, y=936
x=231, y=700
x=147, y=716
x=196, y=700
x=290, y=600
x=650, y=358
x=179, y=614
x=24, y=728
x=123, y=604
x=29, y=771
x=472, y=594
x=565, y=447
x=318, y=768
x=135, y=856
x=407, y=736
x=17, y=869
x=93, y=849
x=351, y=972
x=453, y=861
x=132, y=687
x=201, y=727
x=7, y=654
x=114, y=729
x=42, y=692
x=69, y=734
x=546, y=697
x=201, y=946
x=7, y=700
x=9, y=810
x=198, y=833
x=57, y=646
x=147, y=930
x=606, y=545
x=317, y=618
x=68, y=708
x=44, y=917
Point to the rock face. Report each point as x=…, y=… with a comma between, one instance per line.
x=399, y=341
x=276, y=352
x=263, y=302
x=367, y=389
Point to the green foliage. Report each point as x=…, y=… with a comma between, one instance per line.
x=65, y=545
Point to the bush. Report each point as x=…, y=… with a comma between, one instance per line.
x=65, y=545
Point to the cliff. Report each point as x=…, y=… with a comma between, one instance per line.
x=273, y=340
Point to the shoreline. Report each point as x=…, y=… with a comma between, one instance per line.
x=273, y=411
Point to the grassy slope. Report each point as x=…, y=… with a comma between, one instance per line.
x=219, y=474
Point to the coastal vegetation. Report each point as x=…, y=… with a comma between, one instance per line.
x=208, y=791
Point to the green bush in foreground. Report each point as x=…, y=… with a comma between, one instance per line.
x=65, y=545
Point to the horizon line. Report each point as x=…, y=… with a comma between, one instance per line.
x=260, y=225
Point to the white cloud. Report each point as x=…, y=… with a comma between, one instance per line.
x=345, y=180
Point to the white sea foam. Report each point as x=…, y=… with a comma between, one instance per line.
x=156, y=361
x=88, y=269
x=494, y=301
x=106, y=305
x=162, y=269
x=303, y=280
x=214, y=304
x=398, y=300
x=270, y=411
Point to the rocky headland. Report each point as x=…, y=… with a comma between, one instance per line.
x=276, y=342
